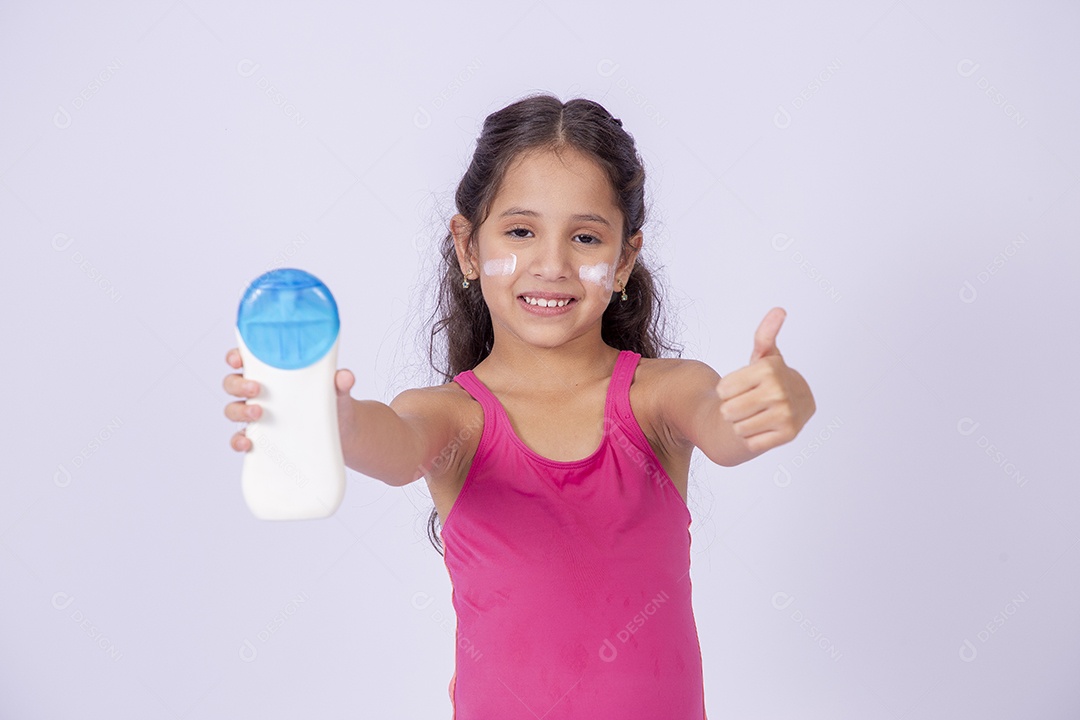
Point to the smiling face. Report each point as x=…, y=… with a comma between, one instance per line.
x=554, y=231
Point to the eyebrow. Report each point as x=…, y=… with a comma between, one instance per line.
x=580, y=216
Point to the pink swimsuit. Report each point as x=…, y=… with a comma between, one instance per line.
x=571, y=579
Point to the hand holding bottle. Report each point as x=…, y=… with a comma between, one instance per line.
x=245, y=411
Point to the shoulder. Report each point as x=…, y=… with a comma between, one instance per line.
x=443, y=416
x=675, y=388
x=441, y=409
x=435, y=399
x=673, y=374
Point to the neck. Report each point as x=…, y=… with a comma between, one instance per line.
x=556, y=370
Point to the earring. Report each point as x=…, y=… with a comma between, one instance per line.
x=623, y=298
x=464, y=280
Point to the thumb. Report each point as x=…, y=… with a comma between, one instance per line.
x=343, y=381
x=765, y=335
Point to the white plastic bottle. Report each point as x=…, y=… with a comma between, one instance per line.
x=287, y=329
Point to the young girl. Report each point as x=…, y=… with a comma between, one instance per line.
x=557, y=453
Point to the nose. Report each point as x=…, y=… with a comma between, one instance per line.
x=550, y=259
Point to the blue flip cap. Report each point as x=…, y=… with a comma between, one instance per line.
x=288, y=318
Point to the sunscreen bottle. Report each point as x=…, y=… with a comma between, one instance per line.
x=287, y=330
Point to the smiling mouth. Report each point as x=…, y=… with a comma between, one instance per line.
x=546, y=302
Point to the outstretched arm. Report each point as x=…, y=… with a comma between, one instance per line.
x=401, y=442
x=743, y=414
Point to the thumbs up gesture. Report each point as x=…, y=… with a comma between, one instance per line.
x=766, y=402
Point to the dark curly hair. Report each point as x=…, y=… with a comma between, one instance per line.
x=542, y=121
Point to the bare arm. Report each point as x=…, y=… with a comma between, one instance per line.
x=739, y=417
x=690, y=413
x=397, y=443
x=394, y=443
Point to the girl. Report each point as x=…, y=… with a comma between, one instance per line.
x=557, y=453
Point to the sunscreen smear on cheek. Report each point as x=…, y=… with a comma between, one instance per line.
x=501, y=266
x=600, y=274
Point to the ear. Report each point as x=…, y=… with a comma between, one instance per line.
x=622, y=271
x=460, y=228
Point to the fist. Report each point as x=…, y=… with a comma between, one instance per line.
x=766, y=402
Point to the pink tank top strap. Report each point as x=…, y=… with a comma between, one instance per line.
x=620, y=383
x=470, y=382
x=620, y=398
x=492, y=411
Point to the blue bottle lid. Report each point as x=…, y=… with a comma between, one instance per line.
x=288, y=318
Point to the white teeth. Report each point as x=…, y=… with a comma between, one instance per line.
x=544, y=303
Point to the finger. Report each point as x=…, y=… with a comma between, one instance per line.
x=240, y=442
x=756, y=423
x=744, y=406
x=233, y=358
x=343, y=381
x=237, y=385
x=738, y=382
x=240, y=411
x=763, y=441
x=765, y=335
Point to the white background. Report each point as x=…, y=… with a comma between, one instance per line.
x=902, y=177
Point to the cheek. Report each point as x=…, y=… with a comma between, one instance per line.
x=600, y=274
x=500, y=266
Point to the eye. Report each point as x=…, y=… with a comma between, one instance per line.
x=594, y=240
